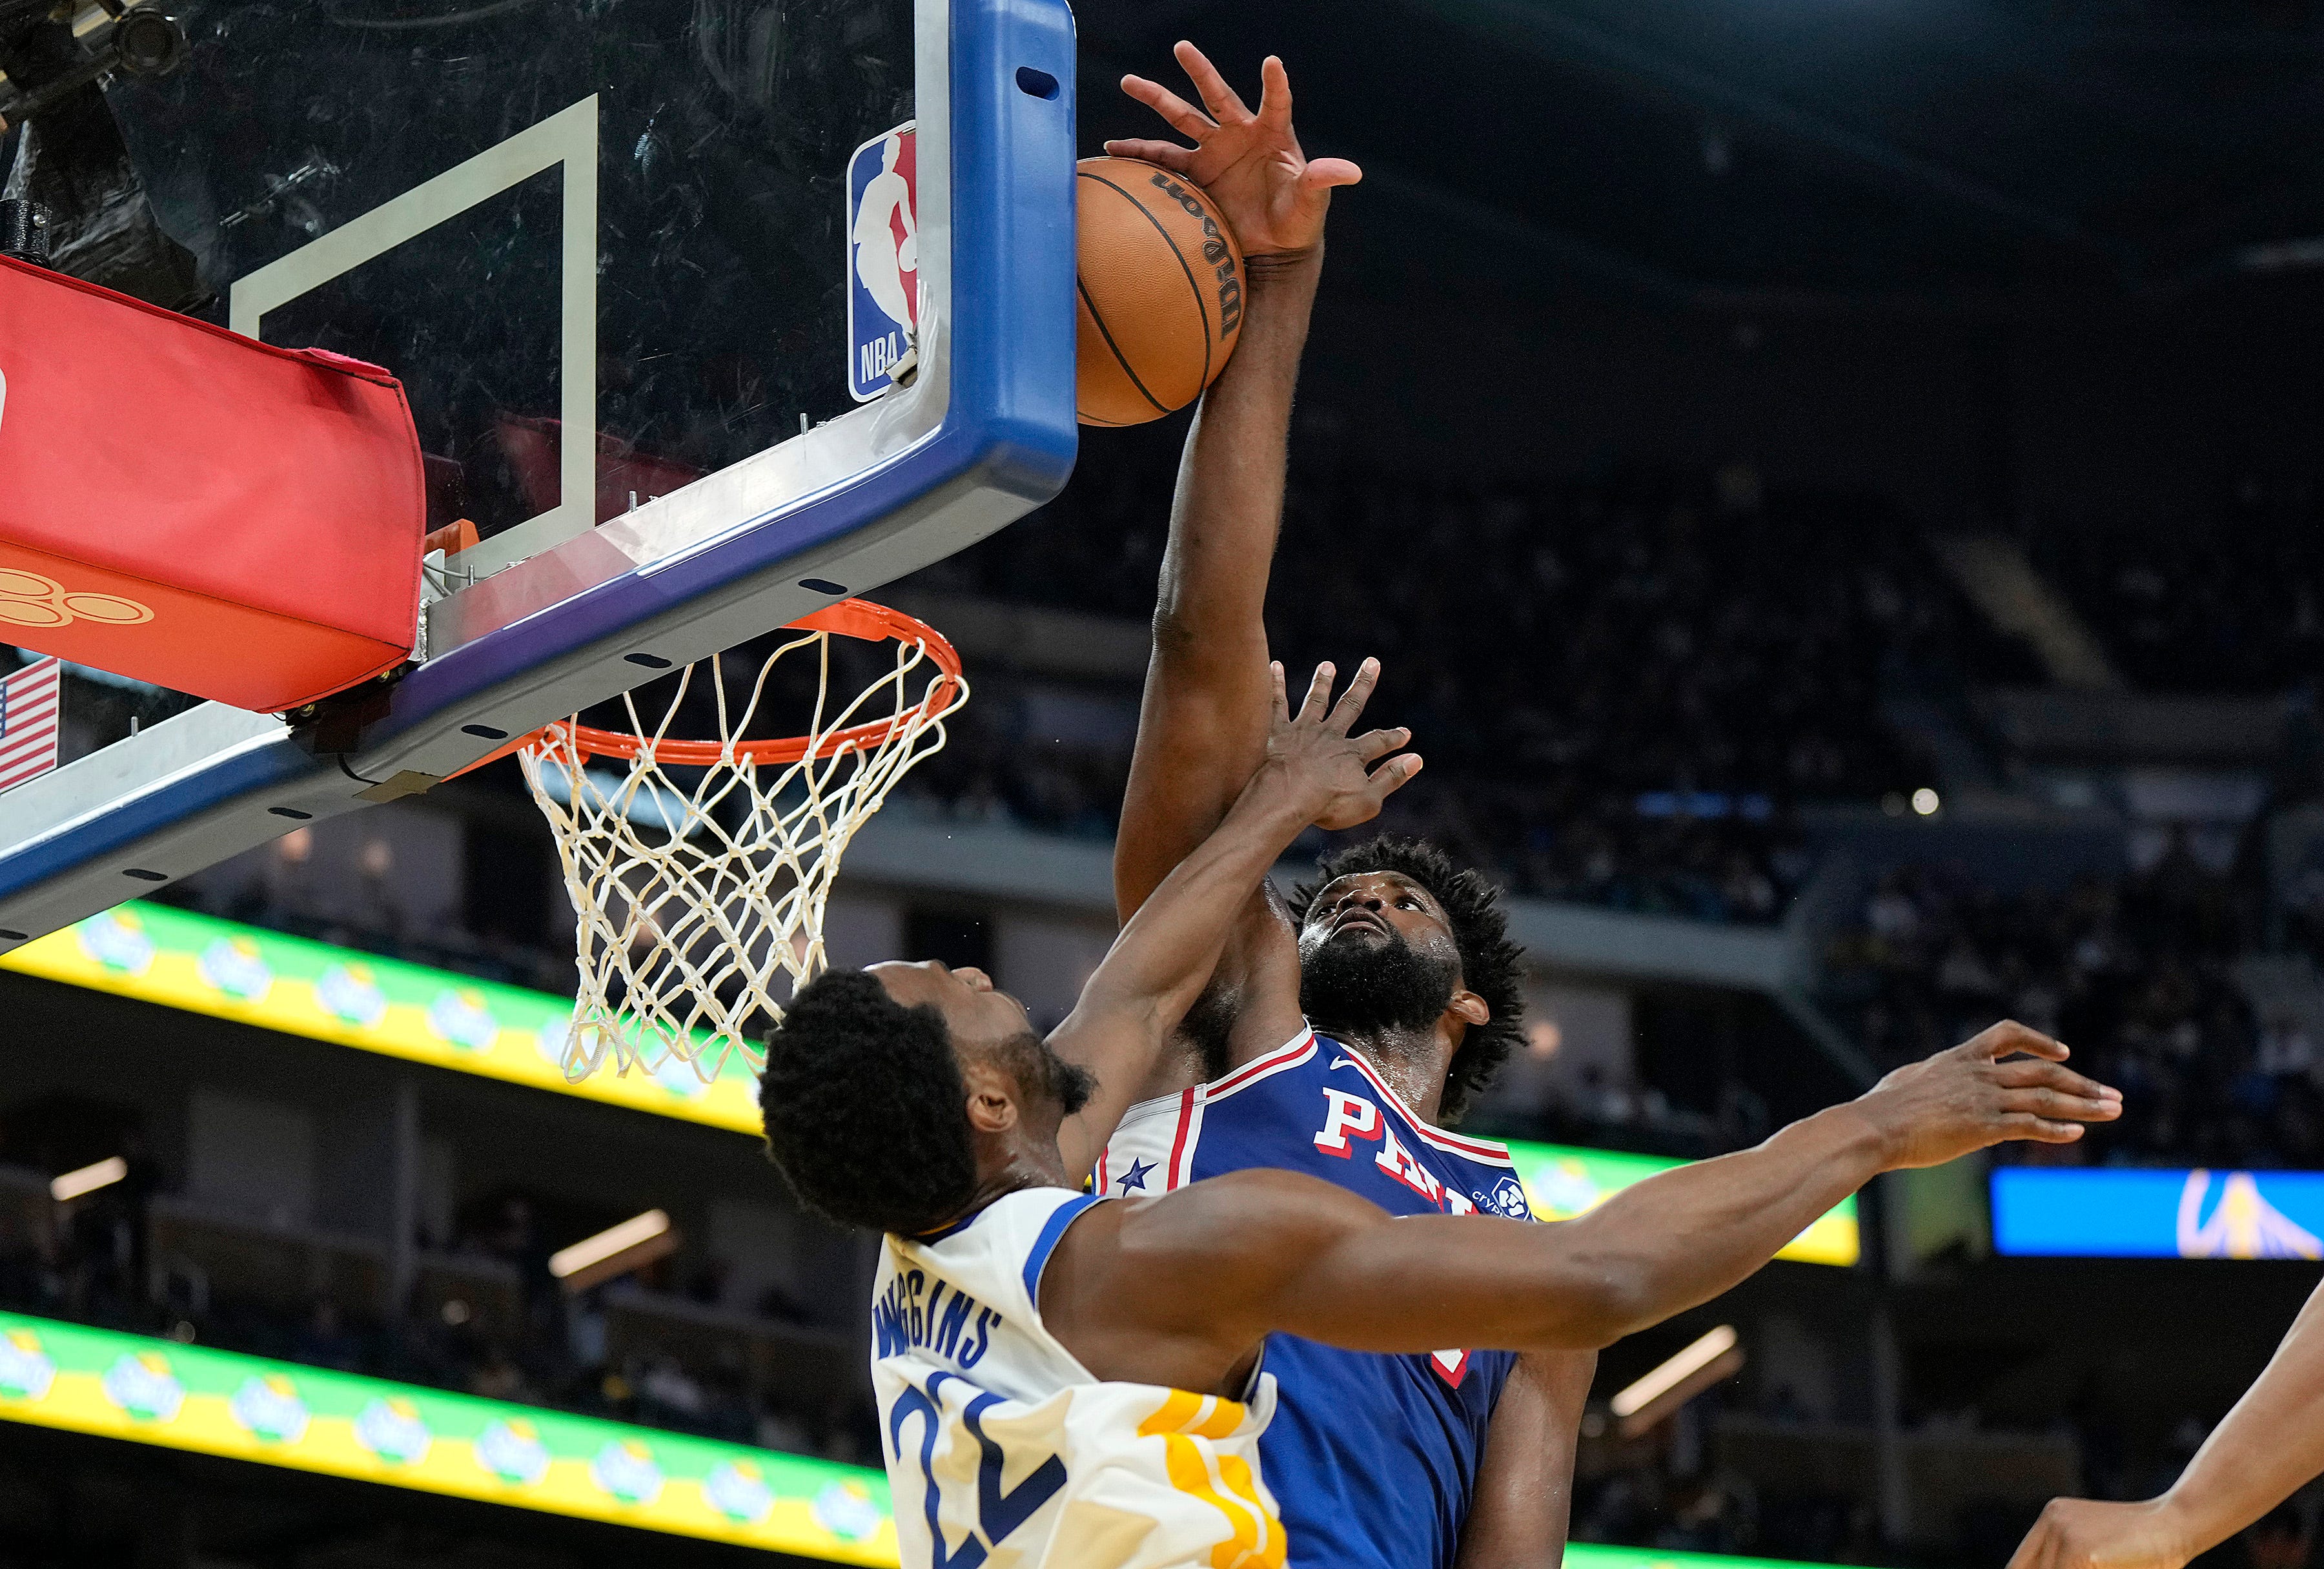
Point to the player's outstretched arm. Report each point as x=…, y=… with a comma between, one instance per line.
x=1203, y=724
x=1311, y=768
x=1185, y=1287
x=2265, y=1450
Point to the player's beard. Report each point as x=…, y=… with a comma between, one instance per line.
x=1035, y=1062
x=1359, y=988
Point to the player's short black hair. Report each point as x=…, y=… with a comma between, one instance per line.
x=1491, y=965
x=865, y=1108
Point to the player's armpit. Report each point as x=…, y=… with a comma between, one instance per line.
x=1519, y=1512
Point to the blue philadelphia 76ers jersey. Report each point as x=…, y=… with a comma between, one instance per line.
x=1373, y=1459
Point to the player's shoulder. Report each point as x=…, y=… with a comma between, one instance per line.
x=1014, y=1227
x=1488, y=1171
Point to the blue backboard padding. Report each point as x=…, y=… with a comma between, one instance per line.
x=2058, y=1212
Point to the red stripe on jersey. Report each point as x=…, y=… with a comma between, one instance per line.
x=1290, y=1053
x=1187, y=1102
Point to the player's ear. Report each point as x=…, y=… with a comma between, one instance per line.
x=1470, y=1009
x=992, y=1096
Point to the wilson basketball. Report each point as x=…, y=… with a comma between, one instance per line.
x=1160, y=282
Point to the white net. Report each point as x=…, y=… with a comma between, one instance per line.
x=699, y=871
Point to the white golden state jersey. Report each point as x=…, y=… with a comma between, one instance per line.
x=1004, y=1452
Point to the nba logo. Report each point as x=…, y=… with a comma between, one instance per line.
x=883, y=260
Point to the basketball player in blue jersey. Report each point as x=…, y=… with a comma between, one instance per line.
x=1068, y=1380
x=1447, y=1460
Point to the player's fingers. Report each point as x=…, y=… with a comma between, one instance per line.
x=2058, y=1106
x=1223, y=101
x=1182, y=115
x=1319, y=693
x=1374, y=745
x=1351, y=705
x=1274, y=94
x=1323, y=173
x=1282, y=698
x=1177, y=160
x=1391, y=777
x=2009, y=1036
x=2024, y=1125
x=2025, y=1073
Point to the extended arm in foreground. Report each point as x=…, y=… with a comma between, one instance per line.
x=1180, y=1291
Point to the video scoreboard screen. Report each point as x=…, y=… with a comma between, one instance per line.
x=2119, y=1213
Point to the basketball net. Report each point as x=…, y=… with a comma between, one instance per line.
x=699, y=871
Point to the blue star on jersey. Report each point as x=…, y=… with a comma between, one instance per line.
x=1135, y=1178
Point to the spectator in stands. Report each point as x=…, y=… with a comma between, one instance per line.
x=1640, y=676
x=2136, y=972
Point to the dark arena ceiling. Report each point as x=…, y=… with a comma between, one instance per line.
x=1959, y=153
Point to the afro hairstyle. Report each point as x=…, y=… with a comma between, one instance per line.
x=1491, y=965
x=864, y=1107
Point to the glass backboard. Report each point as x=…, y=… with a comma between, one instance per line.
x=616, y=251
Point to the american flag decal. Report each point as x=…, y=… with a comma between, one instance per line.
x=29, y=701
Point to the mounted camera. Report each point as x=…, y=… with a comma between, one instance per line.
x=66, y=154
x=49, y=51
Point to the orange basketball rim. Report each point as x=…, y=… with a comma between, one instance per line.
x=855, y=618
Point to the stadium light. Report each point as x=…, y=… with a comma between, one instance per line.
x=615, y=1250
x=1925, y=802
x=88, y=1180
x=1714, y=1357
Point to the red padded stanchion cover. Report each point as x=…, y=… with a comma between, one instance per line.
x=183, y=505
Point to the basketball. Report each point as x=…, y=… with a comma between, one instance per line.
x=1160, y=285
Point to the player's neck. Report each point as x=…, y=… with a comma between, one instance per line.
x=1014, y=1167
x=1413, y=1062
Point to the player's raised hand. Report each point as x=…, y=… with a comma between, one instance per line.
x=2083, y=1533
x=1273, y=196
x=2007, y=1082
x=1325, y=771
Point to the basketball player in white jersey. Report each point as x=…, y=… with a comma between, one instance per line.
x=1074, y=1383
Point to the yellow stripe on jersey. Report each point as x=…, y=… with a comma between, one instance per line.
x=1179, y=1420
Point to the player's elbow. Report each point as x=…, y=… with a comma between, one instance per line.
x=1178, y=631
x=1601, y=1301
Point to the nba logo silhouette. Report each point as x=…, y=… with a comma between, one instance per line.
x=883, y=260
